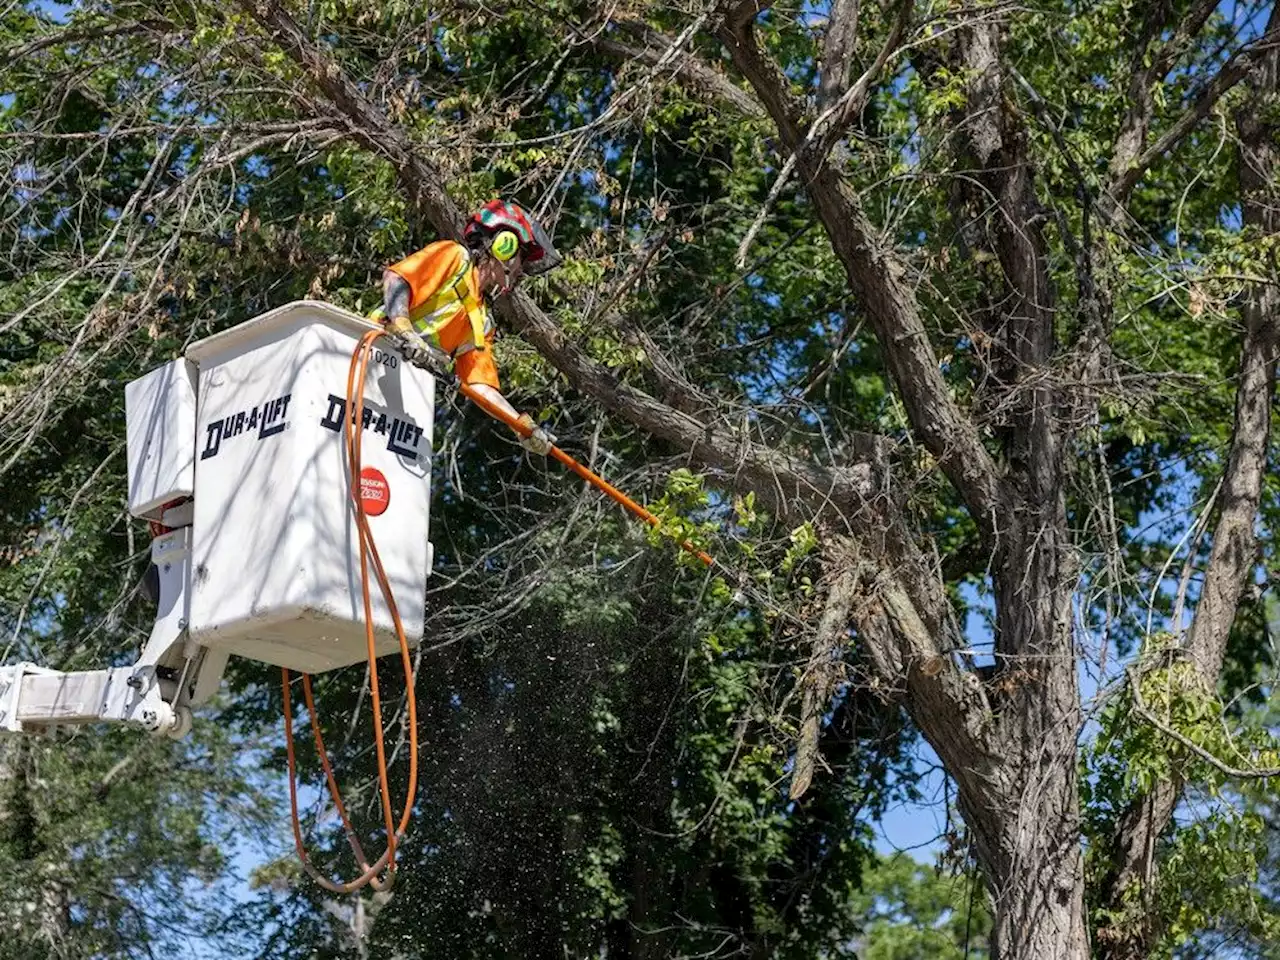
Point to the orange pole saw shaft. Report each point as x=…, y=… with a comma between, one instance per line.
x=596, y=481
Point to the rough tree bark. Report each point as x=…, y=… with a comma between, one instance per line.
x=1033, y=865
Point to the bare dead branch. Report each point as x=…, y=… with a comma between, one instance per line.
x=103, y=31
x=822, y=672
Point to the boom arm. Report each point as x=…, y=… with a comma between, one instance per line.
x=156, y=693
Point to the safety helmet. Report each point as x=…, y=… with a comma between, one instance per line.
x=504, y=228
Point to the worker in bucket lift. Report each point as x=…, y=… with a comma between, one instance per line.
x=438, y=299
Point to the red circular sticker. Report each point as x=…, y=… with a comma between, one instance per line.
x=375, y=492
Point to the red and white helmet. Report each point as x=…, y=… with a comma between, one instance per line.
x=498, y=216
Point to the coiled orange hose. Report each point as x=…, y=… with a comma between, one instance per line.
x=370, y=873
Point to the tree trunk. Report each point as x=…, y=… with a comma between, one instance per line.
x=1027, y=836
x=1037, y=887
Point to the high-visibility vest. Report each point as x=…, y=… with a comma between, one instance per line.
x=431, y=316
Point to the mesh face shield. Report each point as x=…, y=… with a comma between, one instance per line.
x=549, y=257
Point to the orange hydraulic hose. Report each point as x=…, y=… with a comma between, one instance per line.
x=597, y=481
x=369, y=876
x=354, y=435
x=406, y=659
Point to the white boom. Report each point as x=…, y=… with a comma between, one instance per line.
x=157, y=693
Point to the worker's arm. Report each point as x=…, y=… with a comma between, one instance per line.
x=396, y=296
x=496, y=398
x=477, y=370
x=536, y=440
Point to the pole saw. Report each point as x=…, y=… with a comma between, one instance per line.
x=438, y=369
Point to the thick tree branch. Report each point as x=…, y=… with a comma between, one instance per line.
x=1235, y=540
x=1016, y=767
x=738, y=13
x=701, y=80
x=1238, y=66
x=830, y=127
x=838, y=45
x=781, y=479
x=997, y=138
x=1231, y=562
x=880, y=280
x=1034, y=560
x=766, y=79
x=903, y=619
x=948, y=704
x=904, y=636
x=1147, y=69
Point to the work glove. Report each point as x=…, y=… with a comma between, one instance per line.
x=538, y=441
x=413, y=348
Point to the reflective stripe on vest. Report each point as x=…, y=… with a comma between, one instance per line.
x=430, y=316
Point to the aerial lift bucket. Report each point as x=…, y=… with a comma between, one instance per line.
x=236, y=454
